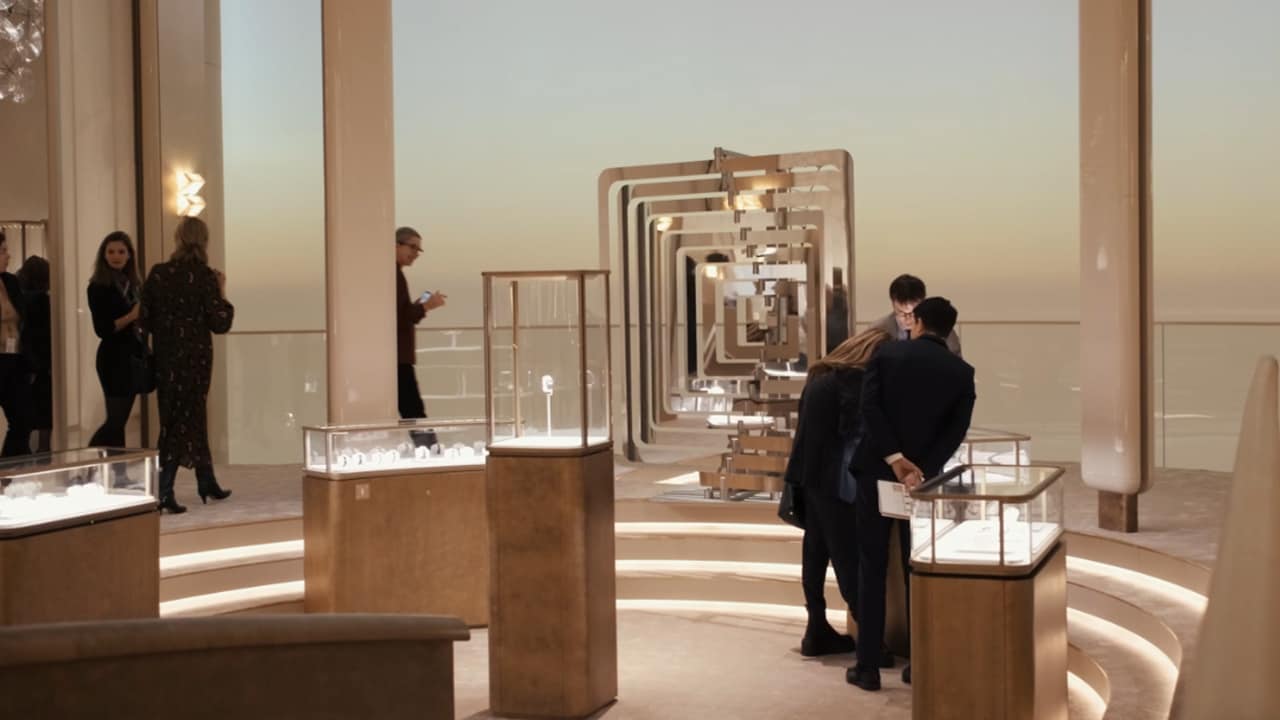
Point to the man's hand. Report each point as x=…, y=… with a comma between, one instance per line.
x=907, y=473
x=436, y=300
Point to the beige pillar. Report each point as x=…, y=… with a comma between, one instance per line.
x=1115, y=255
x=180, y=82
x=359, y=193
x=1232, y=672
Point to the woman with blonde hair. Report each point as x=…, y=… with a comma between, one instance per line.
x=183, y=305
x=826, y=435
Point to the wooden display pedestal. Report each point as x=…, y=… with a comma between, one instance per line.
x=990, y=646
x=412, y=542
x=107, y=570
x=553, y=640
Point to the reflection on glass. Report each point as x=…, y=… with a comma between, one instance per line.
x=403, y=445
x=61, y=486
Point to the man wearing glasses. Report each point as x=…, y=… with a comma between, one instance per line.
x=409, y=312
x=905, y=292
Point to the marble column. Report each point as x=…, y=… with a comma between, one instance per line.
x=1116, y=341
x=359, y=155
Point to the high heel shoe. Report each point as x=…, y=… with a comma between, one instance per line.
x=212, y=490
x=170, y=503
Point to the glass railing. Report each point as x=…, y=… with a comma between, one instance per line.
x=276, y=384
x=1028, y=377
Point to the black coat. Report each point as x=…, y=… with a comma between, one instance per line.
x=107, y=304
x=917, y=399
x=826, y=431
x=183, y=308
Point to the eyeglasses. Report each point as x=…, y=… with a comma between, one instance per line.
x=414, y=246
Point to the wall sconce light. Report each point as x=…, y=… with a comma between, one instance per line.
x=745, y=202
x=190, y=204
x=663, y=223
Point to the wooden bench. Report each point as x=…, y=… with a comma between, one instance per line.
x=277, y=666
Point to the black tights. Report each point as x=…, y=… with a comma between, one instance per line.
x=111, y=434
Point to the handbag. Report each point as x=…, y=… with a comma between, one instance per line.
x=791, y=506
x=142, y=367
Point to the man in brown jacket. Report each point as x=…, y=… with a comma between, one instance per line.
x=409, y=312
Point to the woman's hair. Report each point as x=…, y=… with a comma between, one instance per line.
x=191, y=241
x=852, y=353
x=34, y=275
x=104, y=274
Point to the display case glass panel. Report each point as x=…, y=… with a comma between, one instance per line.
x=339, y=450
x=547, y=354
x=1001, y=518
x=984, y=446
x=65, y=488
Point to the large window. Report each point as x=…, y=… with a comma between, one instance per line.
x=273, y=158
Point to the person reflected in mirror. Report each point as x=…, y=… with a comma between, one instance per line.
x=917, y=402
x=409, y=312
x=15, y=376
x=827, y=433
x=37, y=347
x=115, y=293
x=905, y=292
x=184, y=304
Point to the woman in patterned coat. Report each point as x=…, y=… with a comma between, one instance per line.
x=183, y=305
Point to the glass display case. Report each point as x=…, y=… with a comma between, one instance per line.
x=986, y=519
x=51, y=490
x=984, y=446
x=547, y=356
x=343, y=450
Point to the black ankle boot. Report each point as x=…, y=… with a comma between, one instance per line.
x=165, y=491
x=207, y=486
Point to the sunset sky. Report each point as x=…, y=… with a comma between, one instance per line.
x=961, y=118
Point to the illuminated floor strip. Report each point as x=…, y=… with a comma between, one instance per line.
x=766, y=611
x=1095, y=706
x=1186, y=597
x=230, y=601
x=221, y=558
x=725, y=531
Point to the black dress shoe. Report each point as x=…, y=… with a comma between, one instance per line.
x=826, y=642
x=866, y=678
x=906, y=674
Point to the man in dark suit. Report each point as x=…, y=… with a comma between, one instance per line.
x=917, y=401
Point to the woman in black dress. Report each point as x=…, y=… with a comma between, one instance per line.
x=37, y=346
x=114, y=291
x=826, y=434
x=183, y=305
x=15, y=377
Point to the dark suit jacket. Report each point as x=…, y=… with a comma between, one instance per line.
x=828, y=425
x=917, y=399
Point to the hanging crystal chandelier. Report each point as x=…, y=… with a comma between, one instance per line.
x=21, y=42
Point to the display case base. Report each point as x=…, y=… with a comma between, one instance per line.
x=1117, y=512
x=414, y=542
x=108, y=570
x=991, y=647
x=553, y=648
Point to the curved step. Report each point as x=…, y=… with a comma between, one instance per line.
x=276, y=597
x=229, y=568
